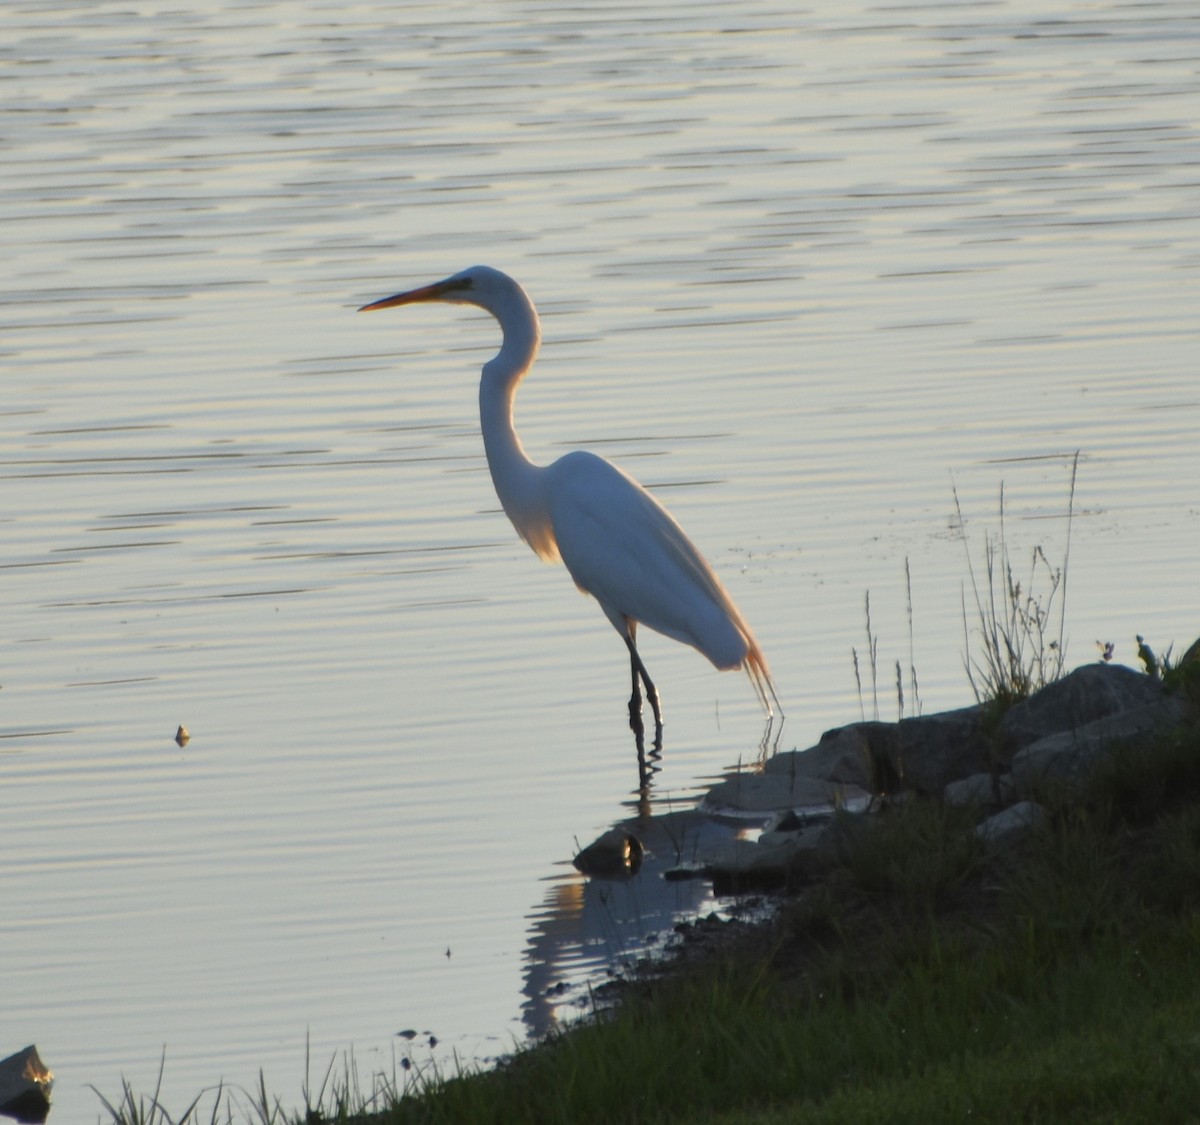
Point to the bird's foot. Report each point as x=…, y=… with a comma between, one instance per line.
x=648, y=762
x=635, y=715
x=656, y=710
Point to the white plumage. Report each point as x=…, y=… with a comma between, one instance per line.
x=617, y=541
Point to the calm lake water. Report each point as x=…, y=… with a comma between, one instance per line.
x=804, y=273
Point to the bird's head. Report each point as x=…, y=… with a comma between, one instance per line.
x=480, y=285
x=494, y=292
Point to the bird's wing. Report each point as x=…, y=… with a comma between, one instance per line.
x=623, y=547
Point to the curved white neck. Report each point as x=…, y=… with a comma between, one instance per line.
x=515, y=476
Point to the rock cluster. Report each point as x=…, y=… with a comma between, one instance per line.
x=804, y=797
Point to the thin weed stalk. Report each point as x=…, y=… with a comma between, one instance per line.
x=858, y=682
x=873, y=659
x=914, y=689
x=1020, y=650
x=872, y=656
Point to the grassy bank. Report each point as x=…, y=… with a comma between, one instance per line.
x=926, y=980
x=1008, y=1036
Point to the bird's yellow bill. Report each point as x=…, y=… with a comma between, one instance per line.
x=425, y=293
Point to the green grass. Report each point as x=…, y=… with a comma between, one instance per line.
x=1138, y=1067
x=1016, y=1033
x=923, y=981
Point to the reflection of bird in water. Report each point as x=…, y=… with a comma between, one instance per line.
x=619, y=544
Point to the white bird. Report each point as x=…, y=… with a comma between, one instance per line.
x=619, y=544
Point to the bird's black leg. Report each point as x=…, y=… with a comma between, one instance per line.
x=638, y=670
x=635, y=698
x=652, y=696
x=647, y=764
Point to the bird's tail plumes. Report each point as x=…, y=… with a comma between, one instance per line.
x=760, y=676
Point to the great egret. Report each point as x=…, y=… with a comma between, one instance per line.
x=619, y=544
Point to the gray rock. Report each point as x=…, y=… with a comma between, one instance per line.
x=982, y=789
x=843, y=836
x=615, y=854
x=1091, y=692
x=1070, y=754
x=773, y=858
x=923, y=753
x=938, y=749
x=1008, y=828
x=841, y=757
x=773, y=791
x=25, y=1086
x=807, y=838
